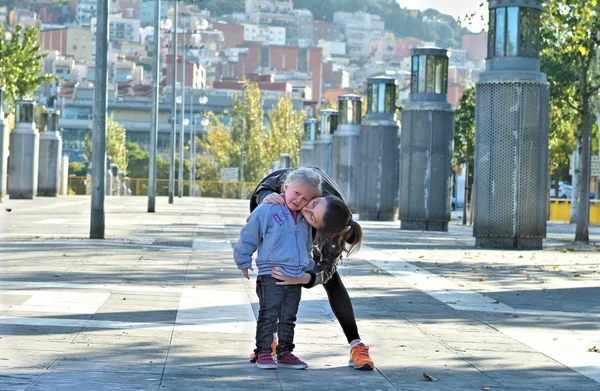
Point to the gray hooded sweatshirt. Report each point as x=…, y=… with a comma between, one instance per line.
x=280, y=242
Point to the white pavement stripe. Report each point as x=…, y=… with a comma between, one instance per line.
x=567, y=349
x=56, y=301
x=216, y=311
x=211, y=245
x=53, y=221
x=570, y=350
x=447, y=291
x=99, y=287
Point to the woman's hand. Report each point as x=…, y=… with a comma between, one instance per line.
x=287, y=280
x=274, y=198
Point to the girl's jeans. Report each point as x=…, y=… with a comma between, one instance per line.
x=277, y=302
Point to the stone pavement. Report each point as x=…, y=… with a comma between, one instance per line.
x=159, y=305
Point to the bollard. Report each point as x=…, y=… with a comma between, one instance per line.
x=121, y=182
x=24, y=151
x=426, y=145
x=50, y=155
x=322, y=159
x=4, y=136
x=284, y=160
x=378, y=149
x=64, y=175
x=307, y=150
x=345, y=157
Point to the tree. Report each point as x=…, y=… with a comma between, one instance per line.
x=464, y=137
x=248, y=137
x=20, y=63
x=286, y=127
x=115, y=144
x=216, y=150
x=570, y=37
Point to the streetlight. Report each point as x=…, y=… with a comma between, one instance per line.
x=202, y=100
x=202, y=26
x=158, y=24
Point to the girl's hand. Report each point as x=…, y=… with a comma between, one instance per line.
x=287, y=280
x=274, y=198
x=245, y=273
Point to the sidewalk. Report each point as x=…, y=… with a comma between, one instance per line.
x=159, y=305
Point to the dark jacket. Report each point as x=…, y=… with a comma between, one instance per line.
x=326, y=254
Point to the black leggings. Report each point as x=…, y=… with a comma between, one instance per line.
x=341, y=306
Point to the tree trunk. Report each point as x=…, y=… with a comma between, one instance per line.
x=583, y=208
x=464, y=214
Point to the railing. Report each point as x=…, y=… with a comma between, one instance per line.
x=560, y=210
x=79, y=185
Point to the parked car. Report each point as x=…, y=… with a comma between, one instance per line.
x=564, y=190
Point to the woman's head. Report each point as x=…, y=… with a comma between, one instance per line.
x=300, y=186
x=333, y=220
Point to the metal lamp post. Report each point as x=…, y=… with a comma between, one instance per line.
x=426, y=145
x=345, y=142
x=307, y=150
x=378, y=150
x=155, y=107
x=511, y=122
x=202, y=100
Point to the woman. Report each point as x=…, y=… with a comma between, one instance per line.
x=333, y=230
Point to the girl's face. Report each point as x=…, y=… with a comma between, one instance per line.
x=297, y=195
x=314, y=211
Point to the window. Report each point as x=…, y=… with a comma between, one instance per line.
x=414, y=82
x=500, y=32
x=512, y=31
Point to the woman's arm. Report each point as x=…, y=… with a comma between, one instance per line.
x=325, y=266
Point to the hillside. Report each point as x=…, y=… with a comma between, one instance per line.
x=443, y=29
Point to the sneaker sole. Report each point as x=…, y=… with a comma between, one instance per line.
x=266, y=366
x=293, y=366
x=364, y=367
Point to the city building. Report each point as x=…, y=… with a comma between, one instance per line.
x=271, y=12
x=233, y=34
x=360, y=29
x=268, y=35
x=85, y=10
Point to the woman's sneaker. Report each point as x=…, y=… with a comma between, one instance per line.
x=360, y=359
x=265, y=361
x=288, y=360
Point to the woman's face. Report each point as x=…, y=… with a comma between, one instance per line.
x=314, y=211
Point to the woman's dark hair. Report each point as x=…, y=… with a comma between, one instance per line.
x=339, y=226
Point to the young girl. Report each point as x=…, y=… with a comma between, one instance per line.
x=335, y=231
x=283, y=239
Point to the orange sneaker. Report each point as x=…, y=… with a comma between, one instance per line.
x=273, y=352
x=360, y=359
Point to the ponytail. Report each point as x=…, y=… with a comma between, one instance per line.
x=339, y=227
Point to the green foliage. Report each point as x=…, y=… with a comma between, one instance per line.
x=286, y=128
x=138, y=163
x=222, y=147
x=464, y=128
x=115, y=144
x=77, y=169
x=443, y=29
x=570, y=42
x=248, y=135
x=20, y=63
x=216, y=150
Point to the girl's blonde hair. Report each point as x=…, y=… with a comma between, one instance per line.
x=305, y=176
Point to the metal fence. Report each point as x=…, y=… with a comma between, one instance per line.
x=79, y=185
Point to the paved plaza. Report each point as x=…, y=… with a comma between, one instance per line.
x=160, y=305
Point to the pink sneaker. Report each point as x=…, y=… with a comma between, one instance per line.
x=288, y=360
x=265, y=361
